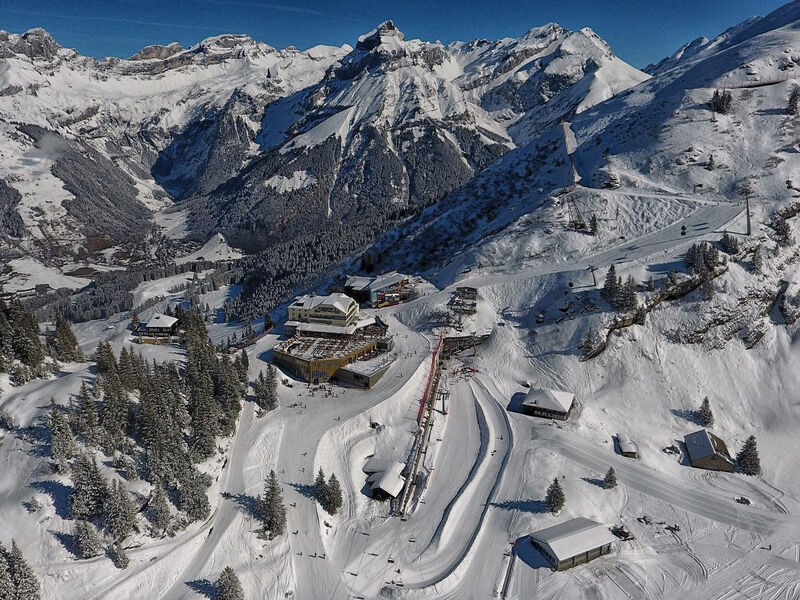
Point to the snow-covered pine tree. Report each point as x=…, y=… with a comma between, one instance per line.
x=710, y=163
x=628, y=298
x=277, y=516
x=63, y=343
x=116, y=408
x=88, y=421
x=749, y=462
x=26, y=585
x=87, y=541
x=204, y=418
x=120, y=512
x=729, y=244
x=610, y=480
x=594, y=226
x=161, y=515
x=62, y=444
x=757, y=265
x=228, y=586
x=321, y=488
x=6, y=586
x=118, y=556
x=704, y=415
x=334, y=495
x=591, y=342
x=610, y=289
x=89, y=488
x=555, y=498
x=106, y=361
x=243, y=367
x=192, y=497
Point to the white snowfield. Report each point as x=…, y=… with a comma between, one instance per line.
x=484, y=476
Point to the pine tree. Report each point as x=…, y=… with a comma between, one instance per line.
x=628, y=299
x=118, y=556
x=749, y=462
x=135, y=321
x=116, y=408
x=161, y=515
x=89, y=491
x=270, y=508
x=26, y=585
x=704, y=415
x=794, y=100
x=610, y=480
x=321, y=489
x=88, y=421
x=591, y=342
x=64, y=343
x=106, y=361
x=7, y=591
x=120, y=512
x=192, y=497
x=62, y=444
x=244, y=367
x=710, y=163
x=729, y=244
x=555, y=498
x=757, y=266
x=334, y=495
x=227, y=586
x=87, y=540
x=611, y=287
x=204, y=417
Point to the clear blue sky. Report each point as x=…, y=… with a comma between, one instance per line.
x=639, y=31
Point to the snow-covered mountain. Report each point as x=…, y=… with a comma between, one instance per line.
x=266, y=145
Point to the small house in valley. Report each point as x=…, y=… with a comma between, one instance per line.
x=707, y=451
x=159, y=329
x=549, y=404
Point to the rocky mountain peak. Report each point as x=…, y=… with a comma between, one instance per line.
x=383, y=33
x=36, y=44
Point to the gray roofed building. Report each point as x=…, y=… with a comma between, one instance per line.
x=573, y=542
x=550, y=404
x=707, y=451
x=385, y=479
x=627, y=447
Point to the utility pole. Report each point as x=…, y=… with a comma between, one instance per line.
x=747, y=202
x=594, y=277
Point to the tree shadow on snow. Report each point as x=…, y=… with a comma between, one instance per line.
x=58, y=492
x=246, y=503
x=525, y=551
x=68, y=541
x=203, y=587
x=686, y=414
x=305, y=489
x=534, y=506
x=594, y=481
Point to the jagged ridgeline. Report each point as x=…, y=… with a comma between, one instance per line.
x=307, y=155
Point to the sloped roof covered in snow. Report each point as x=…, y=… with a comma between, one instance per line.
x=703, y=443
x=309, y=302
x=626, y=444
x=159, y=320
x=549, y=399
x=358, y=282
x=574, y=537
x=390, y=480
x=363, y=283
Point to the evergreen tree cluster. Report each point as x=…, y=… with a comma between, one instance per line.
x=701, y=259
x=63, y=344
x=783, y=231
x=328, y=493
x=266, y=388
x=722, y=102
x=17, y=579
x=620, y=294
x=729, y=244
x=21, y=350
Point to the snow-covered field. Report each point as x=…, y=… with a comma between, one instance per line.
x=486, y=470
